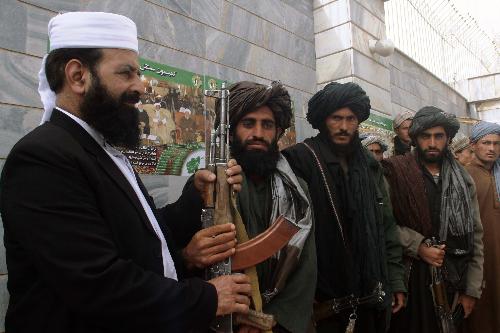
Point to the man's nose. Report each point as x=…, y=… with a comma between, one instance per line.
x=258, y=131
x=138, y=86
x=343, y=124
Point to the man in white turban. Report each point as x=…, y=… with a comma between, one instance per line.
x=485, y=170
x=461, y=149
x=401, y=125
x=375, y=145
x=87, y=250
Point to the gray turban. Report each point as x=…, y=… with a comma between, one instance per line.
x=482, y=129
x=459, y=143
x=400, y=118
x=370, y=139
x=430, y=116
x=479, y=131
x=335, y=96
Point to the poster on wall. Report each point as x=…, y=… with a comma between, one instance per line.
x=172, y=121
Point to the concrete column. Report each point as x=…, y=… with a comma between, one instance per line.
x=342, y=29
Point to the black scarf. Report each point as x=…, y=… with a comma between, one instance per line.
x=400, y=148
x=357, y=201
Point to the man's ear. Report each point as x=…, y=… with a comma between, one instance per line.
x=76, y=76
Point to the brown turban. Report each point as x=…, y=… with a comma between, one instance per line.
x=246, y=97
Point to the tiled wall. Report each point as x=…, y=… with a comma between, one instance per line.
x=413, y=87
x=228, y=39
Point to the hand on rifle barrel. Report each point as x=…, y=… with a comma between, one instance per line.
x=433, y=255
x=210, y=245
x=232, y=293
x=203, y=177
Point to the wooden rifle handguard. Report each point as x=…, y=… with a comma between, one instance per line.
x=262, y=247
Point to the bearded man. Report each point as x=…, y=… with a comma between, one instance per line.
x=87, y=250
x=258, y=116
x=433, y=196
x=485, y=170
x=356, y=244
x=401, y=124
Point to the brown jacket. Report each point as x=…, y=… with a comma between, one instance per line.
x=485, y=318
x=411, y=240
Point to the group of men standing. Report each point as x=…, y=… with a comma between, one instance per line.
x=88, y=251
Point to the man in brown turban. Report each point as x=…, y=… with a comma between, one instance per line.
x=258, y=116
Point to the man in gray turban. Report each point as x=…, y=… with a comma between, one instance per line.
x=485, y=170
x=401, y=124
x=461, y=149
x=434, y=197
x=356, y=244
x=376, y=145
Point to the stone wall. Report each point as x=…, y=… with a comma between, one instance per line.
x=413, y=87
x=483, y=94
x=228, y=39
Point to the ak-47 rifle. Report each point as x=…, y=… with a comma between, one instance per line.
x=218, y=210
x=443, y=310
x=218, y=195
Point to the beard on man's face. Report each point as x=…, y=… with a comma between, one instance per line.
x=436, y=156
x=255, y=162
x=116, y=119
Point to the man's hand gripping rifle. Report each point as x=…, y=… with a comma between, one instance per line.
x=446, y=315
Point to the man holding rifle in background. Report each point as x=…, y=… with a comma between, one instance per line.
x=434, y=197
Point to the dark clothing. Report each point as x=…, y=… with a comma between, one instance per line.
x=81, y=253
x=292, y=306
x=338, y=269
x=369, y=320
x=420, y=308
x=400, y=148
x=463, y=269
x=144, y=118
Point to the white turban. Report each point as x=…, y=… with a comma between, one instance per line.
x=371, y=139
x=459, y=143
x=84, y=30
x=398, y=120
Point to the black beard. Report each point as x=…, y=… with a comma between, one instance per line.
x=256, y=162
x=435, y=159
x=117, y=121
